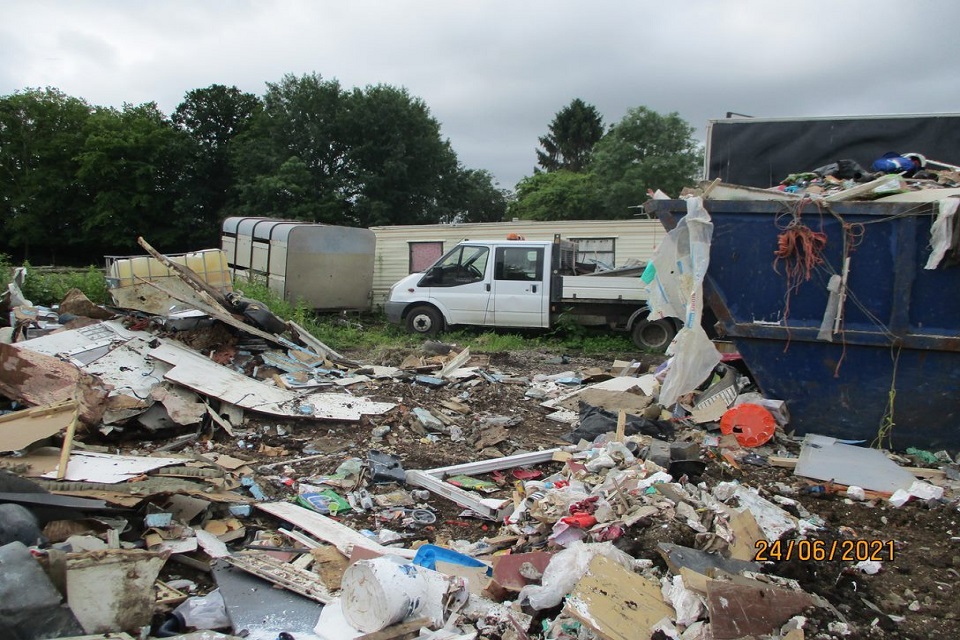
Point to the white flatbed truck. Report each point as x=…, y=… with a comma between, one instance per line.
x=522, y=284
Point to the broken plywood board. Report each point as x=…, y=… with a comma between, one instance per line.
x=182, y=406
x=282, y=574
x=23, y=428
x=823, y=458
x=737, y=610
x=39, y=379
x=454, y=363
x=87, y=466
x=323, y=528
x=206, y=377
x=615, y=603
x=607, y=390
x=141, y=296
x=115, y=356
x=112, y=589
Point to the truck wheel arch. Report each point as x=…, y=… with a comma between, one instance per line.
x=424, y=319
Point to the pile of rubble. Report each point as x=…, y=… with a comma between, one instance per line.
x=251, y=459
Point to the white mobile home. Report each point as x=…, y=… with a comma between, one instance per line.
x=406, y=249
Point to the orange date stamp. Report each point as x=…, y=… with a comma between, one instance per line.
x=823, y=550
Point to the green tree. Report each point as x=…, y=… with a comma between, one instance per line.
x=41, y=201
x=298, y=136
x=573, y=133
x=558, y=195
x=132, y=167
x=401, y=166
x=644, y=151
x=364, y=157
x=475, y=198
x=213, y=116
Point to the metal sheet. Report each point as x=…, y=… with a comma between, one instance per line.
x=253, y=605
x=195, y=372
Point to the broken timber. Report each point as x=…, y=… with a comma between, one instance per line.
x=432, y=479
x=342, y=537
x=288, y=576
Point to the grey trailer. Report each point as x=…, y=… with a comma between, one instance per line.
x=329, y=267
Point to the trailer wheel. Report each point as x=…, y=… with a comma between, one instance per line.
x=425, y=320
x=655, y=336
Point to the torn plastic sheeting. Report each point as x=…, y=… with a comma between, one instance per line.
x=943, y=231
x=565, y=570
x=681, y=264
x=686, y=603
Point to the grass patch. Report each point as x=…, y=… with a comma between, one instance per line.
x=48, y=287
x=365, y=332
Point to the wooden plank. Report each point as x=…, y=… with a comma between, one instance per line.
x=737, y=610
x=455, y=363
x=323, y=528
x=397, y=631
x=22, y=428
x=68, y=443
x=615, y=603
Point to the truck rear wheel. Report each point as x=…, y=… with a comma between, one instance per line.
x=425, y=320
x=654, y=336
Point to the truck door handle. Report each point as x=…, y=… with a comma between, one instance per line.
x=488, y=286
x=534, y=288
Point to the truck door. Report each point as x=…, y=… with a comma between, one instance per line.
x=460, y=284
x=520, y=291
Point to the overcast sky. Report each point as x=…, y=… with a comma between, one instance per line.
x=495, y=73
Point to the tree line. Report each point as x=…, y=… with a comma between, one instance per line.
x=79, y=181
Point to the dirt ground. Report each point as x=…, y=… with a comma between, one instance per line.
x=912, y=596
x=917, y=587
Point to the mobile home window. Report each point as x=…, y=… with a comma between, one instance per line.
x=424, y=254
x=597, y=251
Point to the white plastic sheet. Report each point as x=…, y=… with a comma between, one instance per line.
x=680, y=265
x=941, y=232
x=565, y=570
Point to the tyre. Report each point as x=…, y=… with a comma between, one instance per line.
x=425, y=320
x=653, y=336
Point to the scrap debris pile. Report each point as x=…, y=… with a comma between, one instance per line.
x=893, y=177
x=574, y=506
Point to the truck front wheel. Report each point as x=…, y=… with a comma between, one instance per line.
x=654, y=336
x=425, y=320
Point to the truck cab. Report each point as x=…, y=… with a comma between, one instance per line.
x=516, y=283
x=486, y=283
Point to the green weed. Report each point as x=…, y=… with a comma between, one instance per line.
x=48, y=287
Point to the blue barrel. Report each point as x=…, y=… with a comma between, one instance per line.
x=894, y=369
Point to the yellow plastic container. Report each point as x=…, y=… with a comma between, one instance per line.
x=209, y=264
